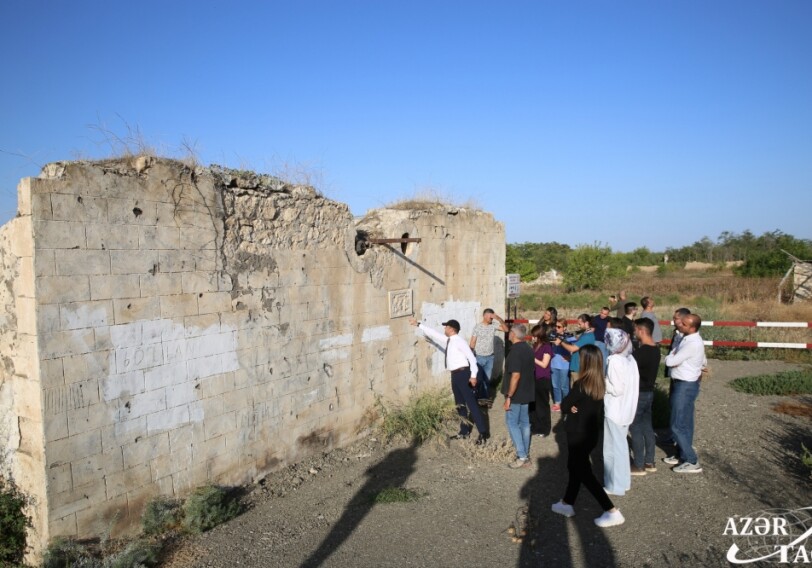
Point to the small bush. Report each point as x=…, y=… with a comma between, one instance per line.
x=421, y=419
x=13, y=523
x=396, y=495
x=161, y=515
x=63, y=552
x=782, y=384
x=208, y=507
x=137, y=554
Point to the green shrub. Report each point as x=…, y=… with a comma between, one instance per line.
x=161, y=515
x=781, y=384
x=208, y=507
x=422, y=418
x=396, y=495
x=66, y=552
x=137, y=554
x=13, y=523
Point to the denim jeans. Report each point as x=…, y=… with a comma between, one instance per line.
x=683, y=398
x=642, y=431
x=485, y=363
x=518, y=424
x=561, y=384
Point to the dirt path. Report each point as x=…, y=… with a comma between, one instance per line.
x=319, y=513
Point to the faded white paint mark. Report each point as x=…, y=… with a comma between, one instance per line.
x=336, y=341
x=378, y=333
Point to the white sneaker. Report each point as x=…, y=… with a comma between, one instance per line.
x=688, y=467
x=563, y=509
x=671, y=460
x=610, y=519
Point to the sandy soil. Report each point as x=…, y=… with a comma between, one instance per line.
x=320, y=513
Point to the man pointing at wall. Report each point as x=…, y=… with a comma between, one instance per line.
x=460, y=360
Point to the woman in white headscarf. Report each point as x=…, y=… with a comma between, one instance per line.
x=620, y=405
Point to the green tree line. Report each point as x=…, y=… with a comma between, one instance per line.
x=588, y=266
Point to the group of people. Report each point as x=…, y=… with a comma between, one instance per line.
x=602, y=380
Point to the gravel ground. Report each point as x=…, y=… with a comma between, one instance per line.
x=320, y=512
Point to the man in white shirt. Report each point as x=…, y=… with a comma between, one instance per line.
x=460, y=360
x=685, y=365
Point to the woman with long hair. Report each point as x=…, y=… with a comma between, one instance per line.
x=550, y=317
x=583, y=421
x=543, y=355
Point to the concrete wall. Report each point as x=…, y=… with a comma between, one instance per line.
x=167, y=327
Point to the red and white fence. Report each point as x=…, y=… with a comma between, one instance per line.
x=746, y=344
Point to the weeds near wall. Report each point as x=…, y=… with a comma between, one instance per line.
x=429, y=198
x=422, y=418
x=161, y=515
x=71, y=553
x=208, y=507
x=14, y=523
x=396, y=495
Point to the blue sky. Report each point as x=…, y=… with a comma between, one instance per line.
x=630, y=123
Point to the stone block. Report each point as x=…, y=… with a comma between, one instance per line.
x=80, y=315
x=173, y=376
x=51, y=373
x=142, y=404
x=198, y=238
x=176, y=261
x=21, y=236
x=129, y=479
x=73, y=447
x=59, y=235
x=96, y=467
x=24, y=195
x=214, y=302
x=197, y=282
x=160, y=284
x=220, y=425
x=117, y=435
x=62, y=527
x=179, y=305
x=56, y=427
x=81, y=262
x=159, y=238
x=173, y=462
x=60, y=289
x=128, y=310
x=182, y=394
x=85, y=209
x=110, y=237
x=62, y=343
x=168, y=419
x=25, y=283
x=48, y=320
x=145, y=450
x=82, y=498
x=134, y=262
x=116, y=386
x=125, y=212
x=26, y=315
x=184, y=482
x=89, y=418
x=118, y=286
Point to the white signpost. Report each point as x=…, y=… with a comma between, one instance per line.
x=513, y=285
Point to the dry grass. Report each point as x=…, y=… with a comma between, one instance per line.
x=430, y=198
x=496, y=450
x=798, y=409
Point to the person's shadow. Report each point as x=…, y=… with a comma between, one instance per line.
x=547, y=539
x=391, y=472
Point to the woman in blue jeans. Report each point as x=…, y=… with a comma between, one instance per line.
x=560, y=370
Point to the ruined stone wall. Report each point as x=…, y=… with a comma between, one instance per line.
x=195, y=325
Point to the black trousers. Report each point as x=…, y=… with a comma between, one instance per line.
x=540, y=409
x=466, y=403
x=580, y=470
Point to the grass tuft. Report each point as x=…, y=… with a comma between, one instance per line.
x=396, y=495
x=422, y=418
x=13, y=523
x=208, y=507
x=161, y=515
x=782, y=384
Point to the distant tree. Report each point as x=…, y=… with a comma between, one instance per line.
x=516, y=263
x=767, y=259
x=590, y=266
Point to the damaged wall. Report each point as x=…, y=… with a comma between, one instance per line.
x=167, y=327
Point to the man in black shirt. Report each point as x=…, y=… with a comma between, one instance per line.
x=520, y=390
x=647, y=355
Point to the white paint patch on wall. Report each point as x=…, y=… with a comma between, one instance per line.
x=336, y=341
x=467, y=313
x=157, y=363
x=377, y=333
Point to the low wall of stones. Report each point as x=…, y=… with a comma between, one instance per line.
x=168, y=326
